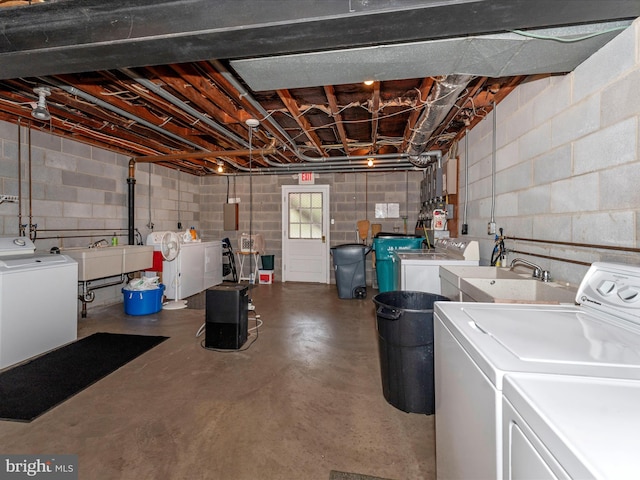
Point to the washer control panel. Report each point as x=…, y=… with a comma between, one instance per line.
x=612, y=288
x=16, y=246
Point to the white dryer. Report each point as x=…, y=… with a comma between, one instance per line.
x=197, y=267
x=567, y=427
x=477, y=345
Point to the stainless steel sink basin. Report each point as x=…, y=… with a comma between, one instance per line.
x=515, y=290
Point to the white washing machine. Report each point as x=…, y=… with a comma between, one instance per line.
x=477, y=344
x=568, y=427
x=38, y=301
x=419, y=270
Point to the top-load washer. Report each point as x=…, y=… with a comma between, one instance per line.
x=477, y=345
x=38, y=300
x=419, y=270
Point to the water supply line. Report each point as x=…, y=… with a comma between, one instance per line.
x=465, y=225
x=20, y=226
x=492, y=224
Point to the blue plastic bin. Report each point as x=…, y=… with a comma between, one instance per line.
x=143, y=302
x=384, y=245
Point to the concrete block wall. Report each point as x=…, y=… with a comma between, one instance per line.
x=79, y=194
x=352, y=197
x=567, y=163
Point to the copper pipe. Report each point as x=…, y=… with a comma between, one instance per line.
x=549, y=257
x=270, y=150
x=572, y=244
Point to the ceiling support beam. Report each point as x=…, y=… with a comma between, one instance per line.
x=88, y=35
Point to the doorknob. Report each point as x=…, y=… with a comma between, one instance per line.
x=324, y=240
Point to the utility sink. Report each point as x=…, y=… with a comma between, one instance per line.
x=101, y=262
x=515, y=290
x=452, y=275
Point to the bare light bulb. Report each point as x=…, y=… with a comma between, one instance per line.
x=370, y=162
x=368, y=82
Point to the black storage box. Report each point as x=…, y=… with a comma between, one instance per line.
x=226, y=316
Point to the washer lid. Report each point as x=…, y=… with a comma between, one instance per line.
x=22, y=262
x=503, y=338
x=589, y=425
x=558, y=337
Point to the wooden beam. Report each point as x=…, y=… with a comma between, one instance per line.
x=335, y=114
x=304, y=124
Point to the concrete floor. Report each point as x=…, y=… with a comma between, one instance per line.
x=305, y=399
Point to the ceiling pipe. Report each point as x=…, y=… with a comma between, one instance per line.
x=185, y=156
x=184, y=106
x=443, y=96
x=101, y=103
x=291, y=143
x=313, y=164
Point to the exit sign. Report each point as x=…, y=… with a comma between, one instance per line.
x=305, y=178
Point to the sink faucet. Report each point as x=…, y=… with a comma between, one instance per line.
x=100, y=243
x=538, y=272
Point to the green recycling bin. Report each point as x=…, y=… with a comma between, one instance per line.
x=384, y=245
x=267, y=261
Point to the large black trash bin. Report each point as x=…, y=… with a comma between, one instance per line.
x=350, y=269
x=405, y=345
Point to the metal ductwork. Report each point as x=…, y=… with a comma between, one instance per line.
x=443, y=96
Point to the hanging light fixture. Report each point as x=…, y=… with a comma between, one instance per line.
x=370, y=162
x=220, y=166
x=41, y=112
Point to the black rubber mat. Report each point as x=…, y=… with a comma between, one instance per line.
x=336, y=475
x=30, y=389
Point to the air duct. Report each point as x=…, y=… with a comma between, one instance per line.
x=443, y=96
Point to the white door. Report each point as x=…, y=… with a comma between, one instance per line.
x=305, y=233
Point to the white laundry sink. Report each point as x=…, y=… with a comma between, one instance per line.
x=452, y=275
x=136, y=257
x=515, y=290
x=101, y=262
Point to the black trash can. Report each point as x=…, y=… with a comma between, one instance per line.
x=350, y=269
x=405, y=345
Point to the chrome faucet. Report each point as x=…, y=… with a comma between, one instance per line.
x=538, y=272
x=100, y=243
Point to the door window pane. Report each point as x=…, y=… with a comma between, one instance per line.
x=305, y=215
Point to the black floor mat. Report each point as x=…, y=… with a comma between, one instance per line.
x=30, y=389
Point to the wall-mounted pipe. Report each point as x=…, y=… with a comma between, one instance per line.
x=550, y=257
x=20, y=227
x=576, y=244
